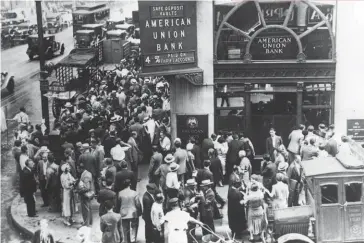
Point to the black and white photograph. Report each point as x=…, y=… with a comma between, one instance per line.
x=195, y=121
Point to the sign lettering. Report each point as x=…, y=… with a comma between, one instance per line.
x=314, y=18
x=275, y=13
x=189, y=126
x=355, y=129
x=168, y=35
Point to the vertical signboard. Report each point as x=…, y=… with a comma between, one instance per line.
x=192, y=126
x=168, y=35
x=355, y=129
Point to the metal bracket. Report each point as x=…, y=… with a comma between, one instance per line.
x=195, y=78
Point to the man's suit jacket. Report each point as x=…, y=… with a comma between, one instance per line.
x=105, y=195
x=269, y=145
x=99, y=154
x=110, y=225
x=135, y=153
x=295, y=139
x=87, y=181
x=207, y=144
x=148, y=201
x=180, y=157
x=162, y=172
x=40, y=171
x=128, y=204
x=309, y=152
x=89, y=161
x=122, y=176
x=204, y=174
x=29, y=184
x=109, y=143
x=207, y=204
x=216, y=169
x=232, y=156
x=196, y=151
x=139, y=128
x=233, y=178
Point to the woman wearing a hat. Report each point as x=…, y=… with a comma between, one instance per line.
x=68, y=203
x=280, y=193
x=172, y=183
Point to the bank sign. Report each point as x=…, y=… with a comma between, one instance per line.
x=168, y=35
x=189, y=126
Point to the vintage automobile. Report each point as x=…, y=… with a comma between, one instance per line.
x=334, y=211
x=7, y=33
x=116, y=34
x=51, y=47
x=22, y=31
x=7, y=82
x=111, y=23
x=54, y=24
x=99, y=29
x=85, y=38
x=128, y=27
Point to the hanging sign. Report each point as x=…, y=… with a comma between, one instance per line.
x=168, y=35
x=192, y=126
x=355, y=129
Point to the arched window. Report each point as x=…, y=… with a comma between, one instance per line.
x=253, y=30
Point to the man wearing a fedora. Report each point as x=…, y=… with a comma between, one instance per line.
x=162, y=172
x=172, y=183
x=207, y=205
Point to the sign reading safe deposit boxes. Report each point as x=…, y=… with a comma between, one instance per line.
x=168, y=35
x=355, y=129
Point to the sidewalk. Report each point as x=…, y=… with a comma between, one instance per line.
x=67, y=234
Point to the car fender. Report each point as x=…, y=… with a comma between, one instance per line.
x=294, y=237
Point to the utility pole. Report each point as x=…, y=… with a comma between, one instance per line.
x=43, y=74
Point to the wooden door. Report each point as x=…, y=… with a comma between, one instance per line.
x=354, y=209
x=330, y=210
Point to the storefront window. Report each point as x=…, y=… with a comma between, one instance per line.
x=317, y=94
x=329, y=194
x=315, y=117
x=353, y=191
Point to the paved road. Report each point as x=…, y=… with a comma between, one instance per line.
x=27, y=94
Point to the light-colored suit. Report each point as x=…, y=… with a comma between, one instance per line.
x=110, y=225
x=295, y=139
x=309, y=152
x=129, y=206
x=180, y=157
x=86, y=184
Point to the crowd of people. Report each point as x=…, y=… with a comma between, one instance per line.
x=97, y=144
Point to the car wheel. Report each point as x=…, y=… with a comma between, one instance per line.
x=11, y=85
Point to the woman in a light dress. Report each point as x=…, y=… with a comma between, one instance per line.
x=68, y=203
x=245, y=168
x=280, y=193
x=257, y=220
x=222, y=148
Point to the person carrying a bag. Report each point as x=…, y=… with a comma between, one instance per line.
x=87, y=193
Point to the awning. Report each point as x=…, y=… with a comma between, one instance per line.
x=193, y=75
x=61, y=95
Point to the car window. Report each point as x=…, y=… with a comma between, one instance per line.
x=329, y=194
x=353, y=191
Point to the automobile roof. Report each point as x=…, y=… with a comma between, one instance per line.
x=84, y=11
x=123, y=26
x=332, y=165
x=115, y=32
x=44, y=36
x=92, y=25
x=84, y=31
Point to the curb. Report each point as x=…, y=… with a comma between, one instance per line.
x=19, y=227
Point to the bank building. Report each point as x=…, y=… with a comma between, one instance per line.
x=252, y=65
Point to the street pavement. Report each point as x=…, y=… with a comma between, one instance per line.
x=16, y=62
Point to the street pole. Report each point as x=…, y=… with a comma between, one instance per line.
x=43, y=74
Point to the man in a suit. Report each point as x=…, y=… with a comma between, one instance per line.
x=204, y=174
x=232, y=156
x=122, y=176
x=295, y=138
x=236, y=212
x=109, y=143
x=180, y=157
x=88, y=160
x=155, y=161
x=136, y=155
x=29, y=187
x=148, y=200
x=85, y=189
x=273, y=142
x=106, y=194
x=196, y=151
x=42, y=168
x=110, y=225
x=310, y=151
x=138, y=128
x=207, y=144
x=207, y=206
x=129, y=207
x=269, y=175
x=98, y=153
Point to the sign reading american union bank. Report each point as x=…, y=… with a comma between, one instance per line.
x=168, y=35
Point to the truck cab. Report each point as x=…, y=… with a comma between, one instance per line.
x=54, y=23
x=51, y=47
x=98, y=29
x=335, y=203
x=85, y=38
